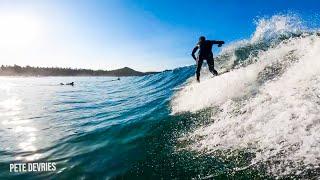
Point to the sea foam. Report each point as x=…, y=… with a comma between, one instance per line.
x=269, y=106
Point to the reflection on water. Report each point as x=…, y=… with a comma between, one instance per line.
x=20, y=131
x=95, y=128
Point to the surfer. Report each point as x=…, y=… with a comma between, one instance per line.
x=205, y=53
x=118, y=79
x=70, y=84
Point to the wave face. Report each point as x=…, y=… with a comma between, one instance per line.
x=266, y=109
x=98, y=129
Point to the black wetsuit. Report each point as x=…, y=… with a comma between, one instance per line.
x=205, y=53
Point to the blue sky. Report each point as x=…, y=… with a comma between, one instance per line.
x=147, y=35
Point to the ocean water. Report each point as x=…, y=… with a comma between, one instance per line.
x=260, y=119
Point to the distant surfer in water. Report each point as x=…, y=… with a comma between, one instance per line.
x=118, y=79
x=205, y=53
x=70, y=84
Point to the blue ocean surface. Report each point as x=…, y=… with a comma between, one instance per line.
x=97, y=128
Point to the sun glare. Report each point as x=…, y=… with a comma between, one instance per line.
x=17, y=31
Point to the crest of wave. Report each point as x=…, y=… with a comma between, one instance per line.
x=270, y=107
x=277, y=25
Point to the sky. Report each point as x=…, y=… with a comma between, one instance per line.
x=146, y=35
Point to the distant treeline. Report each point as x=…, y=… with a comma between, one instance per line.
x=56, y=71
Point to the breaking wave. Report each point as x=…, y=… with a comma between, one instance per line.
x=266, y=102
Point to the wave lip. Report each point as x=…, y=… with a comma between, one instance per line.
x=268, y=104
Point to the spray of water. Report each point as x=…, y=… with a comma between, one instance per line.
x=268, y=104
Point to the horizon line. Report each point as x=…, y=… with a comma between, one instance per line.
x=75, y=68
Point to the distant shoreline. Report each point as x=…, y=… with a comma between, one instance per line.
x=28, y=71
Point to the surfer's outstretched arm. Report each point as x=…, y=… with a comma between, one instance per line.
x=217, y=42
x=194, y=52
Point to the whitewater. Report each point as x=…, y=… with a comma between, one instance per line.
x=267, y=105
x=259, y=119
